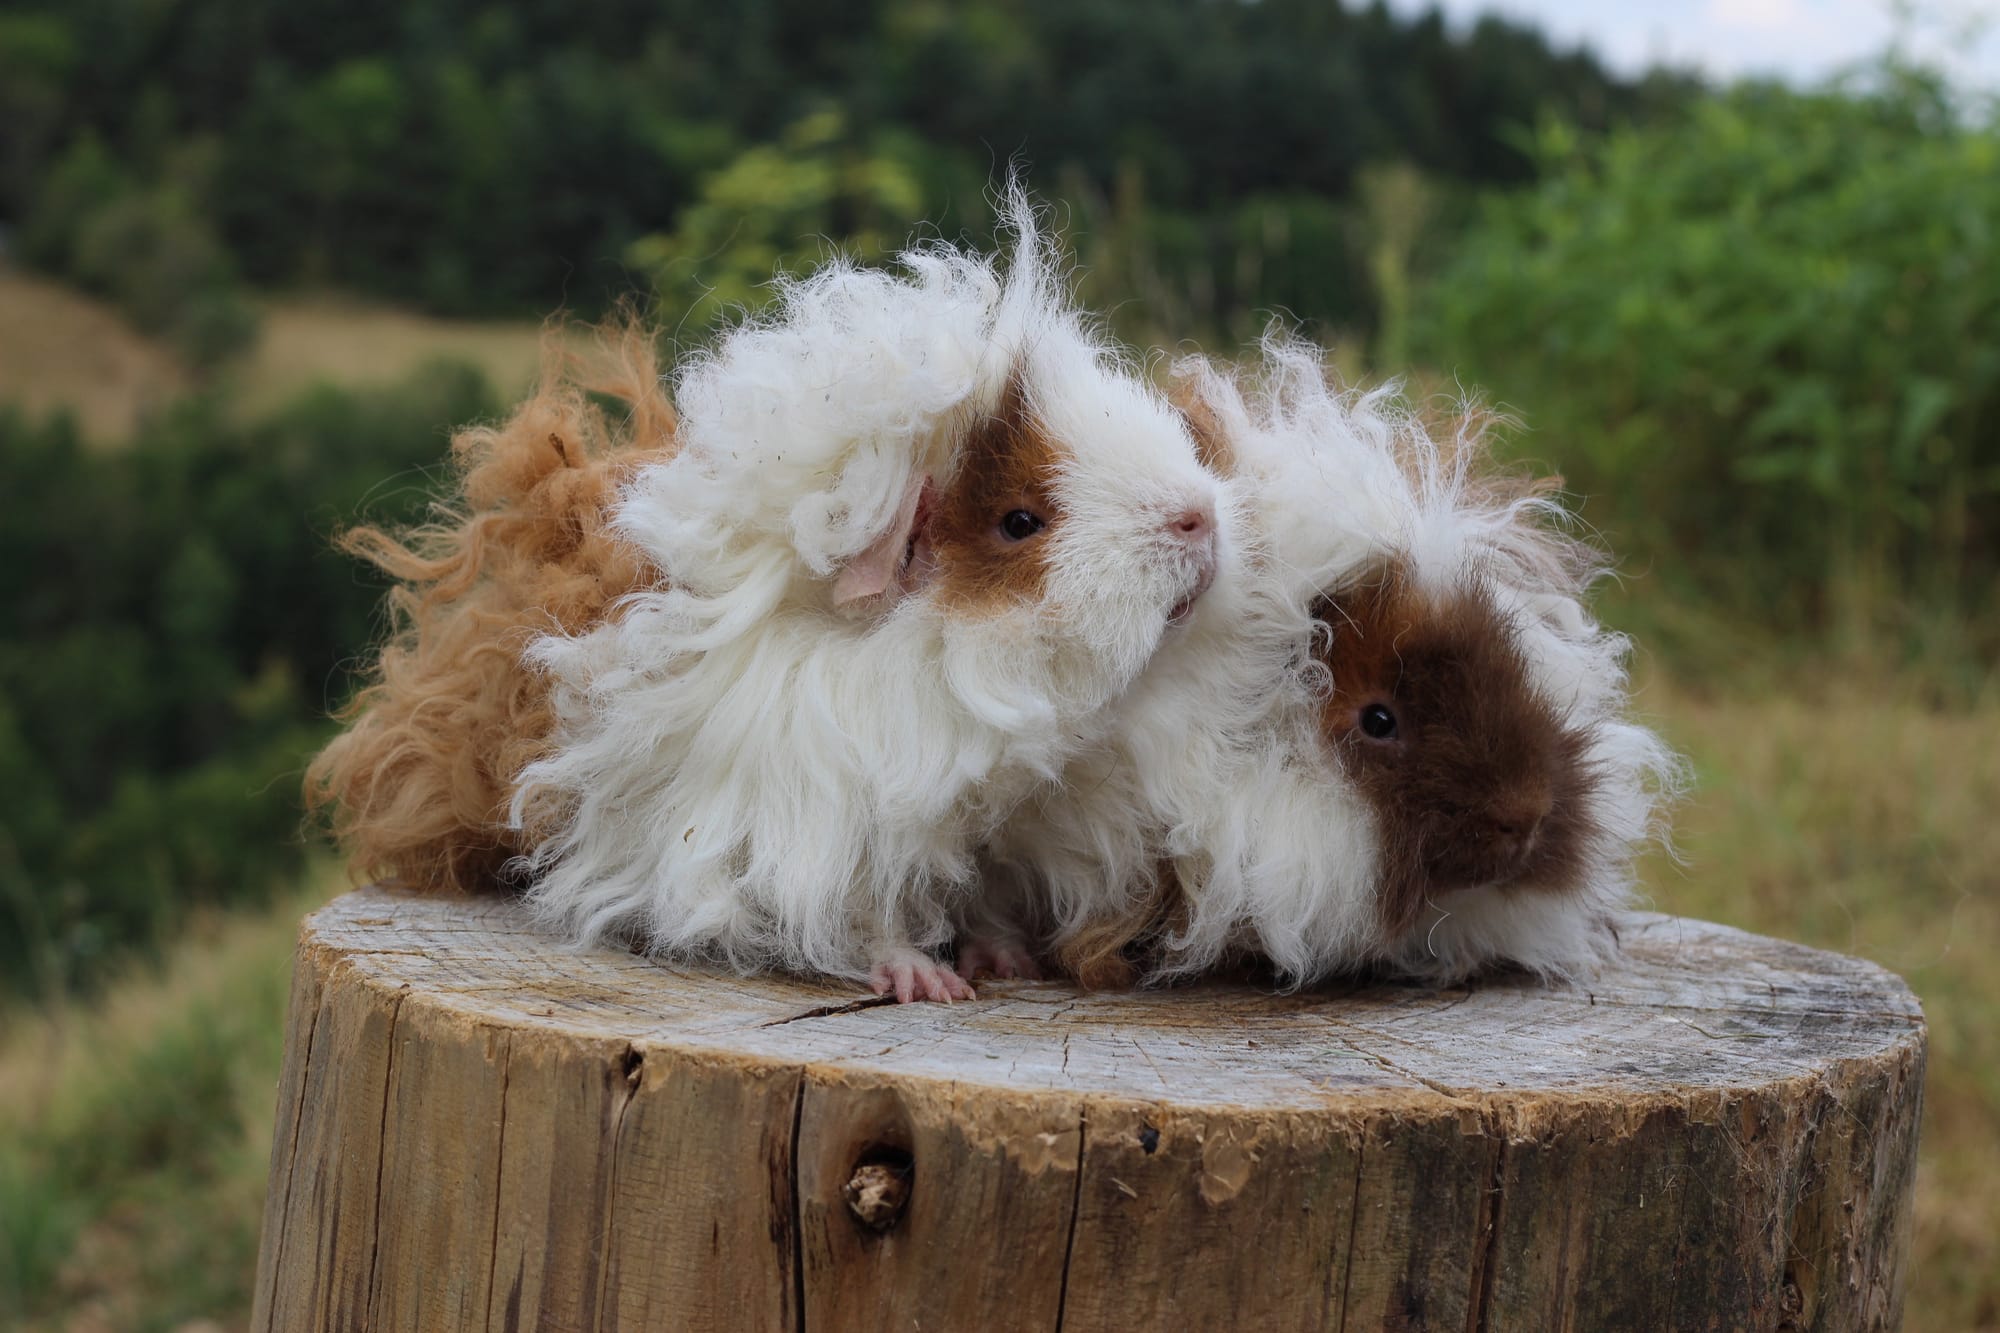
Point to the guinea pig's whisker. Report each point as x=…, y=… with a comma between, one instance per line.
x=1430, y=936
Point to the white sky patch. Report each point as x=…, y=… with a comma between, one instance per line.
x=1800, y=41
x=1765, y=14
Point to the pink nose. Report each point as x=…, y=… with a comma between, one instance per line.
x=1193, y=523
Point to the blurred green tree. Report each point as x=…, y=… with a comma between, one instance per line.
x=781, y=208
x=37, y=57
x=173, y=625
x=480, y=160
x=149, y=247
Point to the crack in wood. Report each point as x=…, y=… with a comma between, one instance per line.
x=499, y=1165
x=382, y=1154
x=1484, y=1270
x=1075, y=1213
x=798, y=1213
x=832, y=1010
x=625, y=1087
x=1384, y=1063
x=1353, y=1227
x=1147, y=1056
x=1667, y=1008
x=1688, y=1131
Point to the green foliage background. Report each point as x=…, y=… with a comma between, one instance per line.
x=173, y=626
x=473, y=159
x=1763, y=337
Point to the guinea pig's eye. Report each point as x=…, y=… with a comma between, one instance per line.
x=1378, y=723
x=1017, y=525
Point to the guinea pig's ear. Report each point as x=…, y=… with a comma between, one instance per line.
x=894, y=563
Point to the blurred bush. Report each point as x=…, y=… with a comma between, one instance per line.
x=147, y=246
x=1764, y=339
x=778, y=208
x=127, y=1115
x=172, y=627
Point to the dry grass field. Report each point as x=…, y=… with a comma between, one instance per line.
x=312, y=339
x=1864, y=820
x=61, y=349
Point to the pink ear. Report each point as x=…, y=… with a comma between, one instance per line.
x=884, y=563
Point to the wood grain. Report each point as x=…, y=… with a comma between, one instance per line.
x=480, y=1128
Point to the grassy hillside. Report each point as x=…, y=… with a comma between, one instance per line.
x=308, y=340
x=1859, y=818
x=135, y=1132
x=61, y=349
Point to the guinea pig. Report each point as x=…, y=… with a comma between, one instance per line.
x=922, y=529
x=417, y=785
x=1394, y=737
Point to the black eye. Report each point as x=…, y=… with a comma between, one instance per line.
x=1378, y=723
x=1019, y=524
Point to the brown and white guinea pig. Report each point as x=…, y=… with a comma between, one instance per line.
x=417, y=787
x=923, y=528
x=1393, y=735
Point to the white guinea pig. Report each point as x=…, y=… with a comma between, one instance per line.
x=1392, y=736
x=922, y=529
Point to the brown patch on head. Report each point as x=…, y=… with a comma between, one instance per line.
x=986, y=556
x=1473, y=777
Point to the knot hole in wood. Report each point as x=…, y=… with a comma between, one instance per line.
x=879, y=1187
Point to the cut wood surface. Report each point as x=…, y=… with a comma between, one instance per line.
x=479, y=1128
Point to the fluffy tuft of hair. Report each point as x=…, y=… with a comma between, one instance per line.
x=416, y=788
x=786, y=753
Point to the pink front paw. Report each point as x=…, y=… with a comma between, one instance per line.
x=997, y=958
x=917, y=976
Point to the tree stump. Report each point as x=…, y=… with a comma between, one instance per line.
x=480, y=1129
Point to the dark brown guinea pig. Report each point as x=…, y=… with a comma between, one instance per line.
x=1436, y=772
x=1476, y=778
x=1475, y=717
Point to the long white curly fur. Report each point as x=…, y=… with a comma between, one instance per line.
x=1215, y=763
x=759, y=764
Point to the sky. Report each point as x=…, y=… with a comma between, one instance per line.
x=1802, y=41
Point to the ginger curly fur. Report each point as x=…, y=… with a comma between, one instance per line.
x=416, y=788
